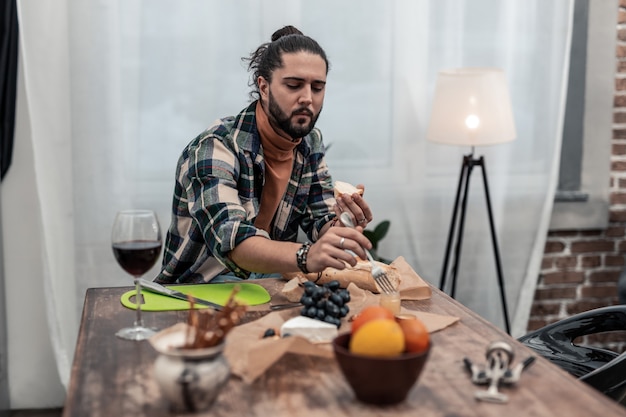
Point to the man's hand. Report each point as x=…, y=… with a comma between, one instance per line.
x=331, y=250
x=356, y=205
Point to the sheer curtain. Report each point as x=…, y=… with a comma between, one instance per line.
x=115, y=89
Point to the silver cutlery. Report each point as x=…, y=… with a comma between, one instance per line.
x=379, y=275
x=160, y=289
x=276, y=307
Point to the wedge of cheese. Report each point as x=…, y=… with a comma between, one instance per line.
x=292, y=289
x=314, y=331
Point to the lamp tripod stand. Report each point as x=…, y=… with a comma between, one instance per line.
x=456, y=234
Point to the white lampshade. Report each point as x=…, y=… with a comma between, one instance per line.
x=471, y=107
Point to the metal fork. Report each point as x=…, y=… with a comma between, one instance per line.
x=379, y=275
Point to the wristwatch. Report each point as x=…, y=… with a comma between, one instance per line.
x=301, y=256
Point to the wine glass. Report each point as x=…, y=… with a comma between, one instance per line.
x=136, y=242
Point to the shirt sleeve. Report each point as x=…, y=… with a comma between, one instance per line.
x=210, y=177
x=321, y=195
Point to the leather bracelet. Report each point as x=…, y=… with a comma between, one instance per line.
x=301, y=256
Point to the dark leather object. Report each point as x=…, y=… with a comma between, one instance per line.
x=602, y=369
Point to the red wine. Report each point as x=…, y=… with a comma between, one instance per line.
x=137, y=256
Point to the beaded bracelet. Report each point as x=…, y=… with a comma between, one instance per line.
x=301, y=256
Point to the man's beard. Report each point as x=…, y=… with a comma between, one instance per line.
x=283, y=121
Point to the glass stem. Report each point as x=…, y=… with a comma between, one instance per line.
x=138, y=301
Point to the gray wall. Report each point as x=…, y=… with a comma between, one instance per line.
x=4, y=377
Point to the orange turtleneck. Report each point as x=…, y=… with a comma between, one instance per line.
x=278, y=154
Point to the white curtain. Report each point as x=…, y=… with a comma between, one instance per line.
x=115, y=89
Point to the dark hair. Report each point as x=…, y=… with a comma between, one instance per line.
x=269, y=56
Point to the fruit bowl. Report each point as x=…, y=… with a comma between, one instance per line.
x=379, y=380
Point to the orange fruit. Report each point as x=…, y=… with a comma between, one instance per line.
x=374, y=312
x=415, y=334
x=382, y=338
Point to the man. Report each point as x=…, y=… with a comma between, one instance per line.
x=246, y=184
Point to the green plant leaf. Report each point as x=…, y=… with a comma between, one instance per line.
x=381, y=229
x=379, y=232
x=371, y=237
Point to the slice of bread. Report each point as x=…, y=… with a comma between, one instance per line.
x=360, y=275
x=346, y=188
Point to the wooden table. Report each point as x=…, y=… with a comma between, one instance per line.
x=114, y=377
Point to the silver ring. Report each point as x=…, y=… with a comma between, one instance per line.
x=343, y=239
x=363, y=220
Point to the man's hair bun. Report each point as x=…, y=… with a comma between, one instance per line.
x=287, y=30
x=269, y=56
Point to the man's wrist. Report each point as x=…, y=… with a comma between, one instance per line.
x=301, y=256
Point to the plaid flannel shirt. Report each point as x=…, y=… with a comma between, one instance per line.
x=219, y=180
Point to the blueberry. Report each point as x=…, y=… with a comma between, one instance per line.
x=333, y=285
x=307, y=301
x=318, y=293
x=311, y=312
x=332, y=309
x=343, y=310
x=269, y=333
x=321, y=303
x=320, y=314
x=345, y=295
x=336, y=298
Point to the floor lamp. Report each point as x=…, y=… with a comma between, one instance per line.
x=471, y=108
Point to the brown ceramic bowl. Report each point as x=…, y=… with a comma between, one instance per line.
x=375, y=380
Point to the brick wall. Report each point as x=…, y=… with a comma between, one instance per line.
x=580, y=269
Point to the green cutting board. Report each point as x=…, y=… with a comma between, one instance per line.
x=249, y=294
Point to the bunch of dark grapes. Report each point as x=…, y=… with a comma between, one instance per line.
x=327, y=302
